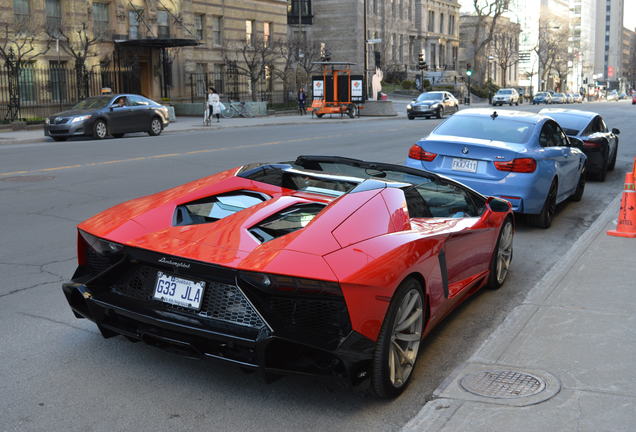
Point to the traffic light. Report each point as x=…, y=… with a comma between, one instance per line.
x=469, y=69
x=420, y=61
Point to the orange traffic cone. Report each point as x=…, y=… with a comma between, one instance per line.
x=626, y=226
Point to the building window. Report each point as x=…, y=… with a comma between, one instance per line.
x=53, y=17
x=441, y=23
x=431, y=21
x=217, y=30
x=249, y=32
x=401, y=49
x=163, y=24
x=201, y=78
x=133, y=24
x=21, y=7
x=219, y=73
x=267, y=33
x=433, y=59
x=100, y=18
x=26, y=82
x=58, y=82
x=375, y=6
x=451, y=24
x=199, y=25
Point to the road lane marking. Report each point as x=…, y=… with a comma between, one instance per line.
x=170, y=155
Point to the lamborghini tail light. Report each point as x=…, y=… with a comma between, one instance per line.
x=591, y=145
x=417, y=152
x=520, y=165
x=277, y=284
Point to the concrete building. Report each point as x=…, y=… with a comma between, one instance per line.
x=609, y=44
x=166, y=47
x=399, y=31
x=500, y=56
x=583, y=31
x=629, y=59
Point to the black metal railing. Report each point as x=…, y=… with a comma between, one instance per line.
x=232, y=86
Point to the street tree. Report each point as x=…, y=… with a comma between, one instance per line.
x=79, y=43
x=20, y=45
x=505, y=48
x=252, y=57
x=487, y=13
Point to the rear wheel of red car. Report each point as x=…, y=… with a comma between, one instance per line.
x=501, y=257
x=399, y=341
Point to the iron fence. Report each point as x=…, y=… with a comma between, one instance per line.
x=232, y=86
x=30, y=93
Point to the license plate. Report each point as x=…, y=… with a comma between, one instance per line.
x=468, y=165
x=178, y=291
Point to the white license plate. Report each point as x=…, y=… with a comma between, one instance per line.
x=468, y=165
x=178, y=291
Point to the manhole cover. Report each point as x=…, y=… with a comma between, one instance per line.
x=28, y=178
x=502, y=384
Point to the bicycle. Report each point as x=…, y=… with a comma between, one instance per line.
x=236, y=109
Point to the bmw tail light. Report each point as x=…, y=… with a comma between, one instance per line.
x=417, y=152
x=277, y=284
x=520, y=165
x=592, y=145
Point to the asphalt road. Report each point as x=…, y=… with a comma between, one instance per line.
x=58, y=374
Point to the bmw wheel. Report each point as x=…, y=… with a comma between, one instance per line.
x=544, y=219
x=100, y=130
x=155, y=127
x=580, y=188
x=501, y=257
x=440, y=112
x=399, y=341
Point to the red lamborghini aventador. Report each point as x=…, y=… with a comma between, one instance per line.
x=324, y=265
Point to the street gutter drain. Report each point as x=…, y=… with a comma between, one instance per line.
x=502, y=384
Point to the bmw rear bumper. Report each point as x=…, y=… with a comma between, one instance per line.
x=265, y=351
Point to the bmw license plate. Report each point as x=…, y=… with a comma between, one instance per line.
x=178, y=291
x=467, y=165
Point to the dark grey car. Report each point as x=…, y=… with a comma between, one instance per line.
x=435, y=103
x=115, y=115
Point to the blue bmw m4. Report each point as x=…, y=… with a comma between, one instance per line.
x=522, y=157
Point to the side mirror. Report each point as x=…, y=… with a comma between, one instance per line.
x=616, y=131
x=575, y=142
x=498, y=205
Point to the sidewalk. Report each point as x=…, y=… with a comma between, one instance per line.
x=187, y=124
x=563, y=360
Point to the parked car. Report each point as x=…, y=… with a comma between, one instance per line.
x=522, y=157
x=436, y=103
x=622, y=95
x=559, y=98
x=633, y=98
x=324, y=265
x=542, y=97
x=506, y=96
x=100, y=116
x=600, y=144
x=612, y=96
x=577, y=98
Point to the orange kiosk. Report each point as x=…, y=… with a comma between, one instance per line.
x=337, y=91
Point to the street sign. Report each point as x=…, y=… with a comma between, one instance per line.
x=373, y=41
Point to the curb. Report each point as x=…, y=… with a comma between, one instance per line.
x=43, y=139
x=438, y=411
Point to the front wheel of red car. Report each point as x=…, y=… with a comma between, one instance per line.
x=399, y=341
x=501, y=257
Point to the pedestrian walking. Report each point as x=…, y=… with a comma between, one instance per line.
x=214, y=104
x=302, y=99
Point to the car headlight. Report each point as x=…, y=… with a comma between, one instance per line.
x=409, y=106
x=435, y=105
x=80, y=118
x=47, y=121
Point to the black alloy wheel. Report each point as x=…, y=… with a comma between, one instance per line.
x=399, y=340
x=501, y=257
x=544, y=219
x=100, y=129
x=601, y=174
x=580, y=187
x=155, y=127
x=612, y=163
x=410, y=117
x=440, y=112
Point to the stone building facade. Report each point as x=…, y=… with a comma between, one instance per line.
x=164, y=43
x=398, y=31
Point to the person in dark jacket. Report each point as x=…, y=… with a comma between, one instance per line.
x=302, y=99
